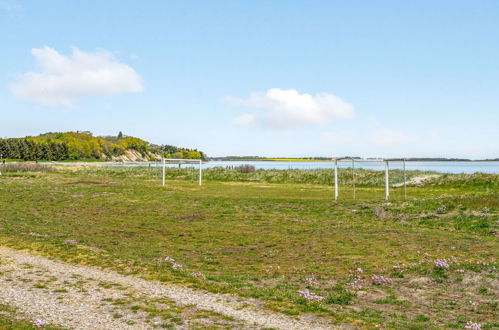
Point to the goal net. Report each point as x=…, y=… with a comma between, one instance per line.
x=385, y=167
x=169, y=162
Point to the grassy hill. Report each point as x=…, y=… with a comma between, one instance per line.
x=85, y=146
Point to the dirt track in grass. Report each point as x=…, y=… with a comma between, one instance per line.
x=82, y=297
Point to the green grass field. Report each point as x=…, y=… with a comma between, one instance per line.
x=263, y=234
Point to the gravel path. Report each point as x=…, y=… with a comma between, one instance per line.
x=83, y=297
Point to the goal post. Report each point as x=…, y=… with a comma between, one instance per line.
x=180, y=161
x=386, y=163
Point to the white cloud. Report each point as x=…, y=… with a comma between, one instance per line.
x=287, y=109
x=65, y=78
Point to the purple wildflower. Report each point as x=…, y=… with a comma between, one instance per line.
x=356, y=286
x=38, y=323
x=198, y=275
x=441, y=263
x=441, y=209
x=357, y=279
x=305, y=293
x=70, y=242
x=473, y=325
x=173, y=263
x=425, y=260
x=177, y=266
x=170, y=260
x=380, y=279
x=311, y=281
x=485, y=209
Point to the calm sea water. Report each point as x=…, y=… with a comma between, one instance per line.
x=443, y=167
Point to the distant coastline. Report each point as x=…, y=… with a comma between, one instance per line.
x=244, y=158
x=318, y=159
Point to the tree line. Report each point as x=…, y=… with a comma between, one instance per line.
x=181, y=153
x=26, y=149
x=85, y=146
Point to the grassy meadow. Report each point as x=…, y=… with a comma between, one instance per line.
x=426, y=262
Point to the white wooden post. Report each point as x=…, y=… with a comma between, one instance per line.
x=405, y=185
x=335, y=179
x=163, y=171
x=200, y=172
x=387, y=180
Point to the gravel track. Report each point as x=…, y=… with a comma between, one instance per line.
x=83, y=307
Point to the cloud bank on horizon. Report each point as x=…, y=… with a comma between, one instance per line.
x=281, y=109
x=65, y=78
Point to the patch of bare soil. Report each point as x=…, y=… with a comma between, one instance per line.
x=469, y=294
x=418, y=180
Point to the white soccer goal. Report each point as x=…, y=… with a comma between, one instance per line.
x=387, y=174
x=178, y=161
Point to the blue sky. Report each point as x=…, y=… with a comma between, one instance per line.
x=271, y=78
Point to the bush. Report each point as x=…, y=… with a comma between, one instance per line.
x=438, y=274
x=341, y=297
x=344, y=298
x=245, y=168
